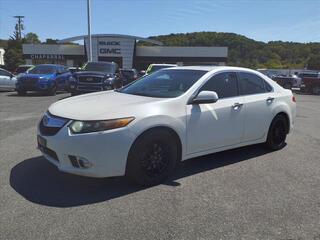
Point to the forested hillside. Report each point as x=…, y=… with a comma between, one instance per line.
x=247, y=52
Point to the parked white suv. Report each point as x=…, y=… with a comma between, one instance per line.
x=146, y=128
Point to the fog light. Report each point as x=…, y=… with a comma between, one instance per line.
x=84, y=163
x=79, y=162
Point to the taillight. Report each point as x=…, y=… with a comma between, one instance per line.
x=293, y=99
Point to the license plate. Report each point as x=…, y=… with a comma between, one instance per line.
x=42, y=142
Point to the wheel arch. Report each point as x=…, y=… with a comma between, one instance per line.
x=174, y=134
x=286, y=116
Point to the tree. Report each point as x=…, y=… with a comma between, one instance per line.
x=51, y=41
x=13, y=56
x=31, y=38
x=314, y=62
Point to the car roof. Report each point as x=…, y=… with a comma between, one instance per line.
x=101, y=62
x=26, y=65
x=163, y=64
x=213, y=68
x=50, y=64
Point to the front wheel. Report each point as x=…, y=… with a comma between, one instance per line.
x=21, y=92
x=277, y=133
x=152, y=158
x=316, y=90
x=52, y=91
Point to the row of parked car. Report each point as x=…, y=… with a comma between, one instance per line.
x=308, y=82
x=92, y=77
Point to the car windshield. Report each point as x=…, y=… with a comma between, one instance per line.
x=43, y=69
x=22, y=69
x=166, y=83
x=98, y=67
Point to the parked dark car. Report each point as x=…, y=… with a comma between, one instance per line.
x=310, y=83
x=47, y=78
x=128, y=75
x=288, y=81
x=96, y=76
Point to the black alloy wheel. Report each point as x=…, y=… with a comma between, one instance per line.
x=153, y=157
x=277, y=133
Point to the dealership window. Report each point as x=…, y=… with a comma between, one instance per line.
x=224, y=84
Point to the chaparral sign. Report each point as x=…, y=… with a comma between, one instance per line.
x=47, y=56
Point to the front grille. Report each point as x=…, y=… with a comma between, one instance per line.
x=53, y=129
x=89, y=79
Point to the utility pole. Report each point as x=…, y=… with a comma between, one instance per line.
x=89, y=30
x=19, y=27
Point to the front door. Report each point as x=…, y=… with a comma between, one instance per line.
x=219, y=124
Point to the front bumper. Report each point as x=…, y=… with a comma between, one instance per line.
x=105, y=151
x=85, y=88
x=38, y=86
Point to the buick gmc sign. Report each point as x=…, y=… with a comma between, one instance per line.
x=110, y=49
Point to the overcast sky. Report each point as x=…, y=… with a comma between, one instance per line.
x=264, y=20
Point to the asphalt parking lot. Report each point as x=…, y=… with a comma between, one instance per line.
x=247, y=193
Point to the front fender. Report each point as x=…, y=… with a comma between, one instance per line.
x=176, y=124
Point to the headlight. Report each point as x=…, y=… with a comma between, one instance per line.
x=43, y=79
x=72, y=79
x=97, y=126
x=108, y=80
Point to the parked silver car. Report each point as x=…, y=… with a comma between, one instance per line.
x=7, y=80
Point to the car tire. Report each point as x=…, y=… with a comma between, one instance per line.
x=287, y=86
x=316, y=90
x=152, y=158
x=277, y=134
x=52, y=91
x=21, y=93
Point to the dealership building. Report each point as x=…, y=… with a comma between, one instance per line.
x=122, y=49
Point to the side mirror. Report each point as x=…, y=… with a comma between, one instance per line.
x=204, y=97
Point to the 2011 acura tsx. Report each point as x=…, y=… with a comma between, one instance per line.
x=144, y=129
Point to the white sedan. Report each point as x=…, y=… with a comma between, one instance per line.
x=144, y=129
x=7, y=80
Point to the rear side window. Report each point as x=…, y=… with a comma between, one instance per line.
x=251, y=84
x=224, y=84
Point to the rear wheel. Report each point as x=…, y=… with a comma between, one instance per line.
x=277, y=133
x=152, y=158
x=287, y=86
x=316, y=90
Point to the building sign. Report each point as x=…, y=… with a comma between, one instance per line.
x=109, y=47
x=47, y=56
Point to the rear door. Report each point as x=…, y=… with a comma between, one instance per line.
x=258, y=97
x=219, y=124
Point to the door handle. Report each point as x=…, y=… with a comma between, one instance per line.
x=270, y=99
x=237, y=105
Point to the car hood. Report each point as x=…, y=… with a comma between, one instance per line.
x=101, y=106
x=91, y=73
x=29, y=75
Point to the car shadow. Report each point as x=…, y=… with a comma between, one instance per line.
x=40, y=182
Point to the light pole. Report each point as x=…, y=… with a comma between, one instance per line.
x=89, y=30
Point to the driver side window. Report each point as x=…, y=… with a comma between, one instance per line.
x=224, y=84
